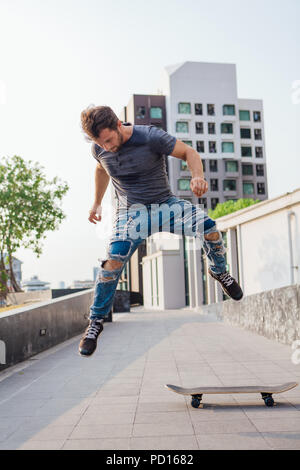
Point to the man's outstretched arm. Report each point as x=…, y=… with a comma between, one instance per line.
x=101, y=183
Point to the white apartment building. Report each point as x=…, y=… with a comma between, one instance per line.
x=203, y=110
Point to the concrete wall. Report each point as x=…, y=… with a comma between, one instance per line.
x=274, y=314
x=168, y=288
x=61, y=319
x=16, y=298
x=266, y=251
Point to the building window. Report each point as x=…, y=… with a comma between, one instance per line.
x=214, y=202
x=211, y=109
x=198, y=109
x=140, y=112
x=256, y=116
x=248, y=188
x=214, y=185
x=260, y=188
x=183, y=165
x=244, y=115
x=227, y=147
x=211, y=127
x=231, y=166
x=260, y=170
x=199, y=127
x=247, y=169
x=156, y=112
x=182, y=127
x=229, y=110
x=188, y=142
x=226, y=128
x=200, y=146
x=212, y=147
x=257, y=134
x=184, y=184
x=203, y=202
x=246, y=151
x=259, y=152
x=213, y=165
x=184, y=108
x=245, y=133
x=229, y=185
x=203, y=164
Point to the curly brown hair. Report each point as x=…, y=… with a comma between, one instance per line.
x=96, y=118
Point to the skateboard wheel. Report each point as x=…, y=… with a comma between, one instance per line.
x=269, y=401
x=195, y=402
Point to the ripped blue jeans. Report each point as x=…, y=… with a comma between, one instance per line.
x=133, y=225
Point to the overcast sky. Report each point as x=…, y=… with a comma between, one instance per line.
x=59, y=56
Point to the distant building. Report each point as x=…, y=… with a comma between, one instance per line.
x=61, y=285
x=95, y=272
x=35, y=284
x=204, y=111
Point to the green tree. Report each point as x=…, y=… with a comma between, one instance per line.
x=230, y=206
x=29, y=207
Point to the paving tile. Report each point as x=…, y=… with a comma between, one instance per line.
x=21, y=408
x=159, y=406
x=106, y=417
x=59, y=406
x=162, y=429
x=97, y=444
x=234, y=441
x=42, y=445
x=163, y=418
x=44, y=434
x=228, y=412
x=101, y=431
x=277, y=424
x=164, y=443
x=109, y=400
x=283, y=440
x=231, y=426
x=279, y=410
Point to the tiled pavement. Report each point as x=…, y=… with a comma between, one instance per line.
x=116, y=399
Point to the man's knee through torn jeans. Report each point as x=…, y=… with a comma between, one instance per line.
x=124, y=242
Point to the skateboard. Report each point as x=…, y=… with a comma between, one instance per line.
x=265, y=390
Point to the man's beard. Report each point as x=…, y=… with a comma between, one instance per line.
x=121, y=140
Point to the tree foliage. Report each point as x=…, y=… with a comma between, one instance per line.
x=230, y=206
x=29, y=207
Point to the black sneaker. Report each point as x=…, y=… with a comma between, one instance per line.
x=228, y=284
x=88, y=343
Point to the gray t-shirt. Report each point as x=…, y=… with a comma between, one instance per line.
x=138, y=170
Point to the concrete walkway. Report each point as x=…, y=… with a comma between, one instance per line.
x=116, y=399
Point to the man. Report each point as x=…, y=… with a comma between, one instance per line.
x=133, y=157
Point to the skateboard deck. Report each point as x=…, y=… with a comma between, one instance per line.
x=265, y=390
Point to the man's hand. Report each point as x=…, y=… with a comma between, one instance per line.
x=95, y=214
x=199, y=186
